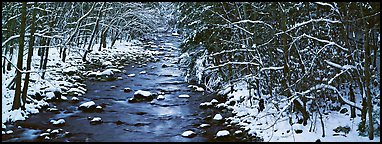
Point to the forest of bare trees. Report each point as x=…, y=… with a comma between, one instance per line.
x=308, y=52
x=298, y=58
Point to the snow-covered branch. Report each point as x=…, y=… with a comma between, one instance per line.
x=232, y=63
x=323, y=86
x=307, y=22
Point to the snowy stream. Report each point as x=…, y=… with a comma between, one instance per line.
x=158, y=120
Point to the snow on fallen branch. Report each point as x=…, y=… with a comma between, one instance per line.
x=232, y=63
x=323, y=86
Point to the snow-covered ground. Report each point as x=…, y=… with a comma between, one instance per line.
x=263, y=124
x=56, y=79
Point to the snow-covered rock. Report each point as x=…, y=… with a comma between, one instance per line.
x=127, y=90
x=9, y=132
x=160, y=97
x=238, y=132
x=87, y=106
x=184, y=96
x=222, y=133
x=72, y=90
x=96, y=120
x=58, y=122
x=175, y=34
x=199, y=89
x=107, y=63
x=76, y=77
x=131, y=75
x=204, y=125
x=99, y=108
x=221, y=105
x=56, y=131
x=107, y=72
x=92, y=74
x=75, y=99
x=188, y=134
x=218, y=117
x=50, y=95
x=54, y=110
x=214, y=101
x=141, y=95
x=115, y=70
x=205, y=105
x=64, y=98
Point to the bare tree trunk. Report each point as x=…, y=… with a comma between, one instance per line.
x=17, y=100
x=94, y=33
x=42, y=43
x=30, y=53
x=352, y=99
x=367, y=86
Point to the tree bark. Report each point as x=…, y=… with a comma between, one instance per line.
x=17, y=100
x=367, y=79
x=30, y=53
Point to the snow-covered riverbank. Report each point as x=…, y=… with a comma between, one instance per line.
x=66, y=78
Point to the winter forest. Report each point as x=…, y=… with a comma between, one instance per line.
x=190, y=71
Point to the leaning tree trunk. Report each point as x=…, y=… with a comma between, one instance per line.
x=17, y=100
